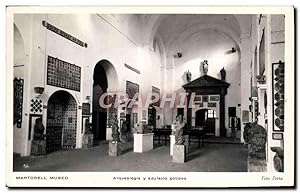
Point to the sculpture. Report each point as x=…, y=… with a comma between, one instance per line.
x=38, y=144
x=188, y=76
x=39, y=130
x=124, y=130
x=255, y=136
x=115, y=127
x=278, y=158
x=88, y=137
x=204, y=67
x=141, y=128
x=179, y=125
x=88, y=127
x=223, y=74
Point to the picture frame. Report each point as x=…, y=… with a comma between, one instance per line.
x=277, y=136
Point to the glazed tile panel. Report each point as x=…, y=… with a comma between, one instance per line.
x=278, y=96
x=63, y=74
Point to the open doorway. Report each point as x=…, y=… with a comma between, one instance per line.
x=99, y=118
x=206, y=118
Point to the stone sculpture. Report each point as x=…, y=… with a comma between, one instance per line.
x=88, y=137
x=38, y=144
x=179, y=125
x=88, y=128
x=278, y=158
x=255, y=136
x=39, y=130
x=115, y=127
x=223, y=74
x=188, y=76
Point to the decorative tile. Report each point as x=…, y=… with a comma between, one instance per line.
x=204, y=98
x=36, y=106
x=18, y=101
x=63, y=74
x=131, y=89
x=86, y=107
x=211, y=104
x=278, y=96
x=198, y=98
x=214, y=98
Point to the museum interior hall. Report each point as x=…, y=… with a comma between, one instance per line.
x=148, y=92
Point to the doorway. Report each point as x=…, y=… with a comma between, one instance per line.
x=206, y=118
x=61, y=122
x=99, y=115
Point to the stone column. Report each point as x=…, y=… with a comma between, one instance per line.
x=245, y=60
x=189, y=111
x=222, y=115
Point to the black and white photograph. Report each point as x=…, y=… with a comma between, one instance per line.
x=150, y=96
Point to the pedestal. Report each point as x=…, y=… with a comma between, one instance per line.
x=38, y=147
x=115, y=148
x=108, y=133
x=87, y=140
x=142, y=142
x=178, y=154
x=186, y=143
x=172, y=142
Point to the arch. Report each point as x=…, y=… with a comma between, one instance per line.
x=105, y=80
x=111, y=74
x=61, y=121
x=48, y=93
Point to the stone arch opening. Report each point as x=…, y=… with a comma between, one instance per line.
x=61, y=122
x=104, y=80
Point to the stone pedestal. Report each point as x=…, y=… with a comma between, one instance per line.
x=256, y=165
x=178, y=154
x=115, y=148
x=108, y=133
x=186, y=143
x=87, y=140
x=38, y=147
x=143, y=142
x=238, y=135
x=172, y=142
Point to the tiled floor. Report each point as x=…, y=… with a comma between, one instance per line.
x=210, y=158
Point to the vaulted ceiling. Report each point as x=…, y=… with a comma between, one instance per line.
x=207, y=33
x=176, y=32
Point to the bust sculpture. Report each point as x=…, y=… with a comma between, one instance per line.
x=179, y=125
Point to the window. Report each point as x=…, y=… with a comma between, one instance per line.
x=211, y=114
